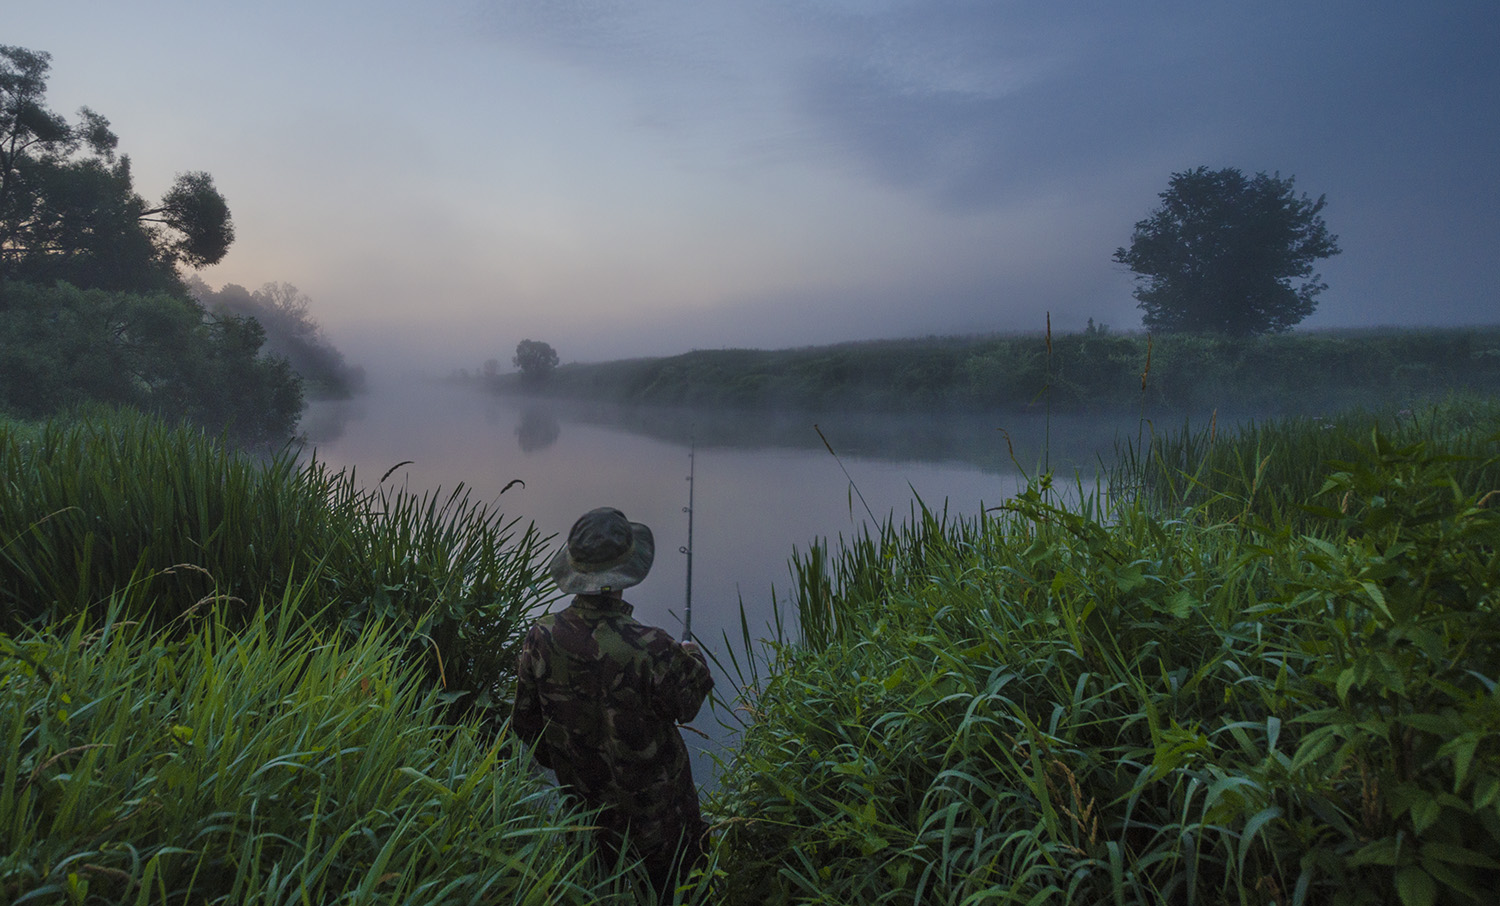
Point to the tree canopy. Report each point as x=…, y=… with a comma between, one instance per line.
x=156, y=352
x=535, y=359
x=291, y=333
x=1229, y=254
x=68, y=206
x=92, y=307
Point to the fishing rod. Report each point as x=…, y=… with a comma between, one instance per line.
x=687, y=610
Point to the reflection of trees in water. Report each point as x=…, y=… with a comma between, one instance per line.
x=538, y=429
x=998, y=443
x=323, y=421
x=993, y=442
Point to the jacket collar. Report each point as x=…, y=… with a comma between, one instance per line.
x=602, y=604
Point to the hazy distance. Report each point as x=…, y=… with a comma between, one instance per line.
x=643, y=178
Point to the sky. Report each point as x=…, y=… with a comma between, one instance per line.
x=626, y=178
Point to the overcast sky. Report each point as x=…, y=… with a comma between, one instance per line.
x=646, y=177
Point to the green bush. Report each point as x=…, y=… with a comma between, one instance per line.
x=1268, y=468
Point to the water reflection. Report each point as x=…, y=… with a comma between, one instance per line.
x=325, y=421
x=1001, y=443
x=538, y=429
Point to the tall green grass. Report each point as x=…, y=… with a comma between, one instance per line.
x=1267, y=468
x=164, y=520
x=227, y=679
x=263, y=760
x=1260, y=669
x=1118, y=703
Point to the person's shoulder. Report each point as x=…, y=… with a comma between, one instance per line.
x=654, y=640
x=635, y=633
x=544, y=623
x=541, y=629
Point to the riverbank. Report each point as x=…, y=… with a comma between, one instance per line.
x=1097, y=371
x=1188, y=686
x=1218, y=685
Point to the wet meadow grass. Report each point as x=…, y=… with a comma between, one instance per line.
x=265, y=761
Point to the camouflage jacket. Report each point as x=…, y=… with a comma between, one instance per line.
x=599, y=696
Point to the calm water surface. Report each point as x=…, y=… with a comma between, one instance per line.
x=763, y=487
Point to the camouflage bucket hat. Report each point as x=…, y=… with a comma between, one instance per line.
x=605, y=552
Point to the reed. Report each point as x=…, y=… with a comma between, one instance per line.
x=1273, y=465
x=120, y=507
x=1118, y=703
x=264, y=760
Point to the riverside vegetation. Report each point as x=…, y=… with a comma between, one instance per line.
x=1262, y=670
x=1256, y=668
x=237, y=681
x=1095, y=370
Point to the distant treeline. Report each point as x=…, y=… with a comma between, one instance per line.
x=291, y=333
x=63, y=347
x=1095, y=370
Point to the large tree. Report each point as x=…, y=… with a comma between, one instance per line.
x=1229, y=254
x=535, y=359
x=291, y=332
x=153, y=351
x=92, y=307
x=68, y=208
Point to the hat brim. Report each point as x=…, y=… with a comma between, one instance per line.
x=575, y=578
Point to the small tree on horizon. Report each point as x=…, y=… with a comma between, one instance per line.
x=535, y=359
x=1222, y=252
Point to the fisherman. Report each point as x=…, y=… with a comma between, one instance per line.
x=599, y=697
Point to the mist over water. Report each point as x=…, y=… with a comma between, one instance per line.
x=765, y=485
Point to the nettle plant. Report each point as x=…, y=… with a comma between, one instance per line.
x=1394, y=785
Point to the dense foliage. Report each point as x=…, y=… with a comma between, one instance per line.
x=156, y=352
x=265, y=763
x=291, y=333
x=92, y=307
x=1128, y=704
x=1092, y=371
x=119, y=501
x=68, y=207
x=1221, y=252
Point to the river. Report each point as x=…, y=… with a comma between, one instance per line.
x=763, y=486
